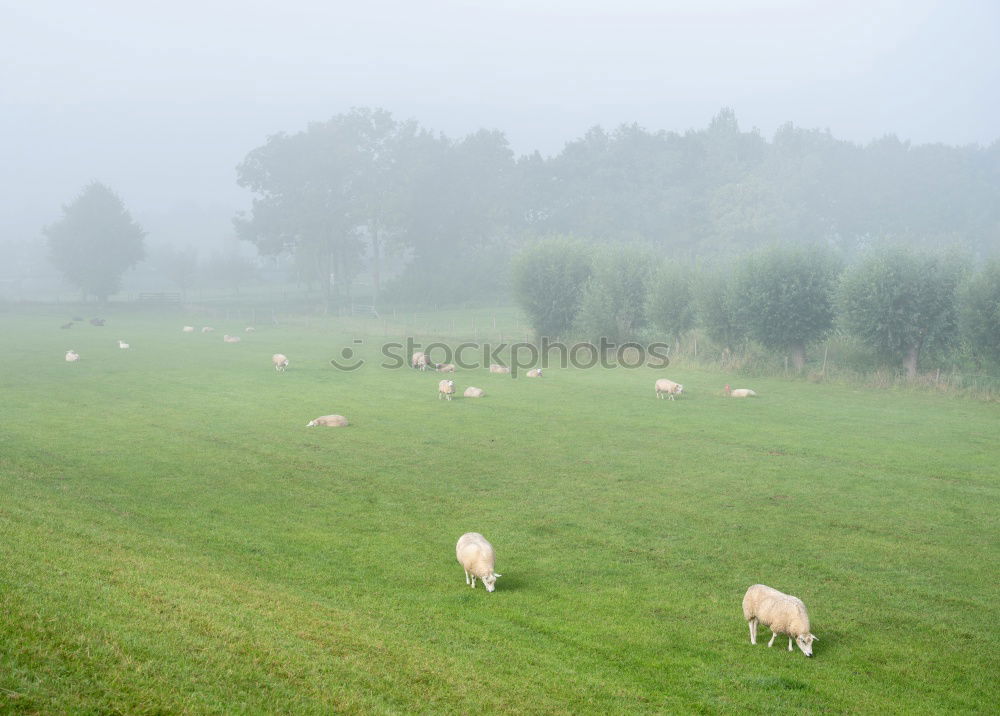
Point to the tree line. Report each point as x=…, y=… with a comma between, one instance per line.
x=898, y=301
x=341, y=196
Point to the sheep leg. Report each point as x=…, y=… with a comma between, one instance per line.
x=753, y=630
x=773, y=635
x=790, y=644
x=466, y=576
x=473, y=581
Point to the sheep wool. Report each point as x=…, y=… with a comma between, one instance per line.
x=446, y=389
x=72, y=356
x=534, y=373
x=740, y=393
x=668, y=388
x=330, y=421
x=781, y=613
x=473, y=392
x=478, y=559
x=188, y=329
x=280, y=362
x=419, y=361
x=501, y=369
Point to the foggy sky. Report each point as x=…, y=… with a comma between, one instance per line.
x=161, y=102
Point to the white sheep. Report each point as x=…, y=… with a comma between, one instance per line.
x=207, y=329
x=231, y=339
x=280, y=362
x=446, y=367
x=446, y=389
x=477, y=558
x=534, y=373
x=330, y=421
x=501, y=369
x=123, y=345
x=781, y=613
x=250, y=329
x=668, y=387
x=472, y=392
x=188, y=329
x=72, y=356
x=419, y=361
x=740, y=393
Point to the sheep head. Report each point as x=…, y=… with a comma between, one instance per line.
x=805, y=642
x=490, y=581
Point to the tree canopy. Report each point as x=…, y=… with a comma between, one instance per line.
x=95, y=241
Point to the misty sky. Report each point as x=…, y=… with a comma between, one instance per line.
x=161, y=101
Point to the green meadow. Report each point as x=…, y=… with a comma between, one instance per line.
x=173, y=539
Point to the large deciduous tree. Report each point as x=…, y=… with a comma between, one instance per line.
x=671, y=304
x=95, y=241
x=787, y=296
x=548, y=279
x=613, y=305
x=979, y=312
x=899, y=302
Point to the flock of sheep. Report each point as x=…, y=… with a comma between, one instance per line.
x=780, y=612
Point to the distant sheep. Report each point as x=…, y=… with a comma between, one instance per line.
x=67, y=325
x=330, y=421
x=419, y=361
x=446, y=389
x=250, y=329
x=740, y=393
x=72, y=356
x=478, y=559
x=188, y=329
x=123, y=345
x=781, y=613
x=534, y=373
x=207, y=329
x=501, y=369
x=446, y=367
x=472, y=392
x=280, y=362
x=668, y=388
x=231, y=339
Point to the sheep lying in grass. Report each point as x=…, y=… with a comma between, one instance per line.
x=501, y=369
x=72, y=356
x=419, y=361
x=740, y=393
x=330, y=421
x=446, y=367
x=280, y=362
x=472, y=392
x=123, y=345
x=781, y=613
x=207, y=329
x=250, y=329
x=668, y=388
x=534, y=373
x=188, y=329
x=231, y=339
x=446, y=389
x=477, y=558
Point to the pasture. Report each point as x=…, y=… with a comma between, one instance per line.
x=174, y=539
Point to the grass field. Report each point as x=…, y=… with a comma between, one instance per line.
x=173, y=539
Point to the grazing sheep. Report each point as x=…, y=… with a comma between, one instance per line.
x=740, y=393
x=472, y=392
x=72, y=356
x=231, y=339
x=446, y=367
x=781, y=613
x=330, y=421
x=446, y=389
x=123, y=345
x=502, y=369
x=280, y=362
x=534, y=373
x=419, y=361
x=477, y=558
x=188, y=329
x=250, y=329
x=668, y=387
x=207, y=329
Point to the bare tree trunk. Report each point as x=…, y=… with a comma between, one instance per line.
x=799, y=357
x=910, y=360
